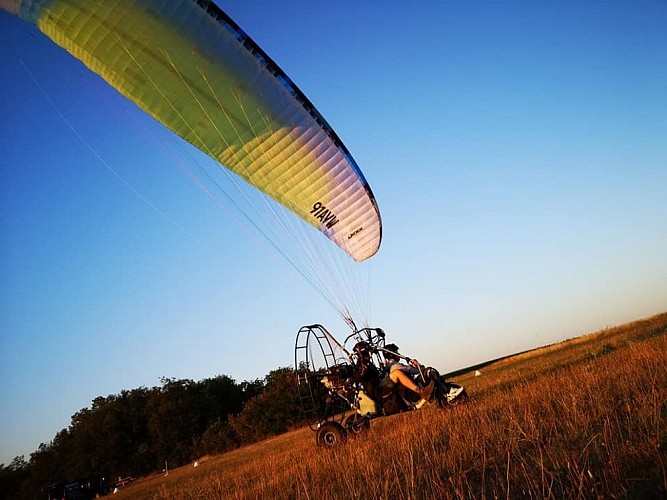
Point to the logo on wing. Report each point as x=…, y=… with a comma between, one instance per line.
x=324, y=215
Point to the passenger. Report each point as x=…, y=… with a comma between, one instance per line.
x=366, y=373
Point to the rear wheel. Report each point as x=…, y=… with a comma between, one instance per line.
x=355, y=424
x=330, y=435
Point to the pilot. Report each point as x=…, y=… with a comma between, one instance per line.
x=366, y=373
x=401, y=374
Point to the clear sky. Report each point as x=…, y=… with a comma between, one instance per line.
x=517, y=150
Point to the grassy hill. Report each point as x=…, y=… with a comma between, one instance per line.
x=584, y=418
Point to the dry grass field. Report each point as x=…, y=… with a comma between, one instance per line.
x=585, y=418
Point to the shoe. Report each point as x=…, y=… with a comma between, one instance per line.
x=425, y=392
x=453, y=392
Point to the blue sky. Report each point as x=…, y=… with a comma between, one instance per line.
x=517, y=151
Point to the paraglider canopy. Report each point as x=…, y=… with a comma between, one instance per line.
x=190, y=66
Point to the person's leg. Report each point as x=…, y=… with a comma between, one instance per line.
x=399, y=377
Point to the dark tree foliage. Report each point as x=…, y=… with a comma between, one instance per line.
x=274, y=411
x=12, y=476
x=135, y=432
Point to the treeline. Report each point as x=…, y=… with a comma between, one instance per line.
x=137, y=431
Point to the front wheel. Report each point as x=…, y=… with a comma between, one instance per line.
x=330, y=435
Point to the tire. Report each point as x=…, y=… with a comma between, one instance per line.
x=356, y=425
x=330, y=435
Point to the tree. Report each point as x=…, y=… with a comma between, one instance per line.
x=134, y=432
x=275, y=410
x=12, y=476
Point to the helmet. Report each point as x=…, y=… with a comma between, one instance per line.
x=393, y=348
x=363, y=349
